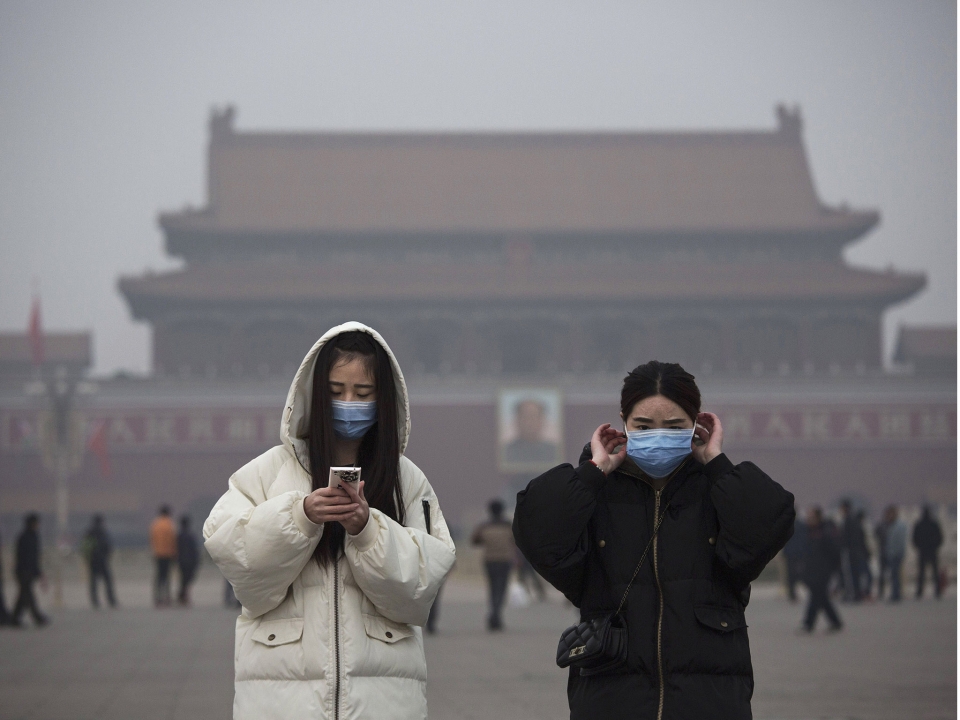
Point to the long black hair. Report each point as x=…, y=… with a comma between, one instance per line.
x=658, y=378
x=379, y=453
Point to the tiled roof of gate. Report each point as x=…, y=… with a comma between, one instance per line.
x=368, y=281
x=551, y=182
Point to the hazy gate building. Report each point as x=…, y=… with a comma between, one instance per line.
x=492, y=261
x=518, y=254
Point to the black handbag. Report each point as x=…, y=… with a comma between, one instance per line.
x=600, y=644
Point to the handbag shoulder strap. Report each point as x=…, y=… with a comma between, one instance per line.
x=643, y=557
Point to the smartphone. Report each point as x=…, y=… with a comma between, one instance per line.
x=344, y=475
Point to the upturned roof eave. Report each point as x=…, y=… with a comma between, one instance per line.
x=848, y=225
x=178, y=288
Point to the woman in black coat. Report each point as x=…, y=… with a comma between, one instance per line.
x=584, y=529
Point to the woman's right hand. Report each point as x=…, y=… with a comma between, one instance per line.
x=328, y=504
x=604, y=441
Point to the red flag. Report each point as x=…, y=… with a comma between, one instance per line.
x=98, y=445
x=36, y=333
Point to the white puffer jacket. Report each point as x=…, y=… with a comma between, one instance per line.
x=342, y=641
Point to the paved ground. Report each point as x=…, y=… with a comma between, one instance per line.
x=890, y=662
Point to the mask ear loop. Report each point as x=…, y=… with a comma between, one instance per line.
x=694, y=437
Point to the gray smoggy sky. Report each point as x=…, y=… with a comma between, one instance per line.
x=104, y=107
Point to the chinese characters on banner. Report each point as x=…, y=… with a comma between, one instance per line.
x=528, y=413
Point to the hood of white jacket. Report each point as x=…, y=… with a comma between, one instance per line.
x=295, y=424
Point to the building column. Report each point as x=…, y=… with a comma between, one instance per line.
x=470, y=347
x=729, y=360
x=576, y=340
x=806, y=362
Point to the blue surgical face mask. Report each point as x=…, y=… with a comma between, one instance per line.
x=351, y=420
x=659, y=452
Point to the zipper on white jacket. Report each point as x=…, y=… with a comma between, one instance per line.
x=336, y=638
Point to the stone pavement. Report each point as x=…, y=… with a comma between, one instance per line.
x=891, y=662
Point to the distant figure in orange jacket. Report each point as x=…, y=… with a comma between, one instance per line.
x=163, y=542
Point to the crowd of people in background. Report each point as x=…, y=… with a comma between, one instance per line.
x=833, y=559
x=169, y=547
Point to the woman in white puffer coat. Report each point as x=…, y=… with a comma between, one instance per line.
x=335, y=583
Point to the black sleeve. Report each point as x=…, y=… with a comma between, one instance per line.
x=550, y=524
x=755, y=514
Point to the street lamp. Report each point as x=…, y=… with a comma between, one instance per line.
x=62, y=439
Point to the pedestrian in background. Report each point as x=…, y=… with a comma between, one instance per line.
x=862, y=572
x=896, y=548
x=28, y=571
x=793, y=555
x=230, y=597
x=528, y=578
x=499, y=553
x=5, y=617
x=821, y=563
x=880, y=534
x=853, y=546
x=188, y=559
x=434, y=616
x=163, y=543
x=96, y=549
x=927, y=539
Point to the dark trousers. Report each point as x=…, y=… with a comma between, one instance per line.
x=27, y=601
x=161, y=585
x=865, y=576
x=186, y=580
x=882, y=577
x=434, y=613
x=5, y=617
x=97, y=573
x=820, y=600
x=923, y=562
x=850, y=576
x=527, y=576
x=229, y=596
x=895, y=566
x=498, y=573
x=793, y=577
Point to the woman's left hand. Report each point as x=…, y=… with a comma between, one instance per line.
x=710, y=432
x=357, y=520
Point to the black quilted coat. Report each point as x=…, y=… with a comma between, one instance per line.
x=688, y=654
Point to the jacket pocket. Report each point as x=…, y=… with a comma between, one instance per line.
x=721, y=619
x=388, y=631
x=278, y=632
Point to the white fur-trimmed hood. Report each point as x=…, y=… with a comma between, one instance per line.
x=295, y=423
